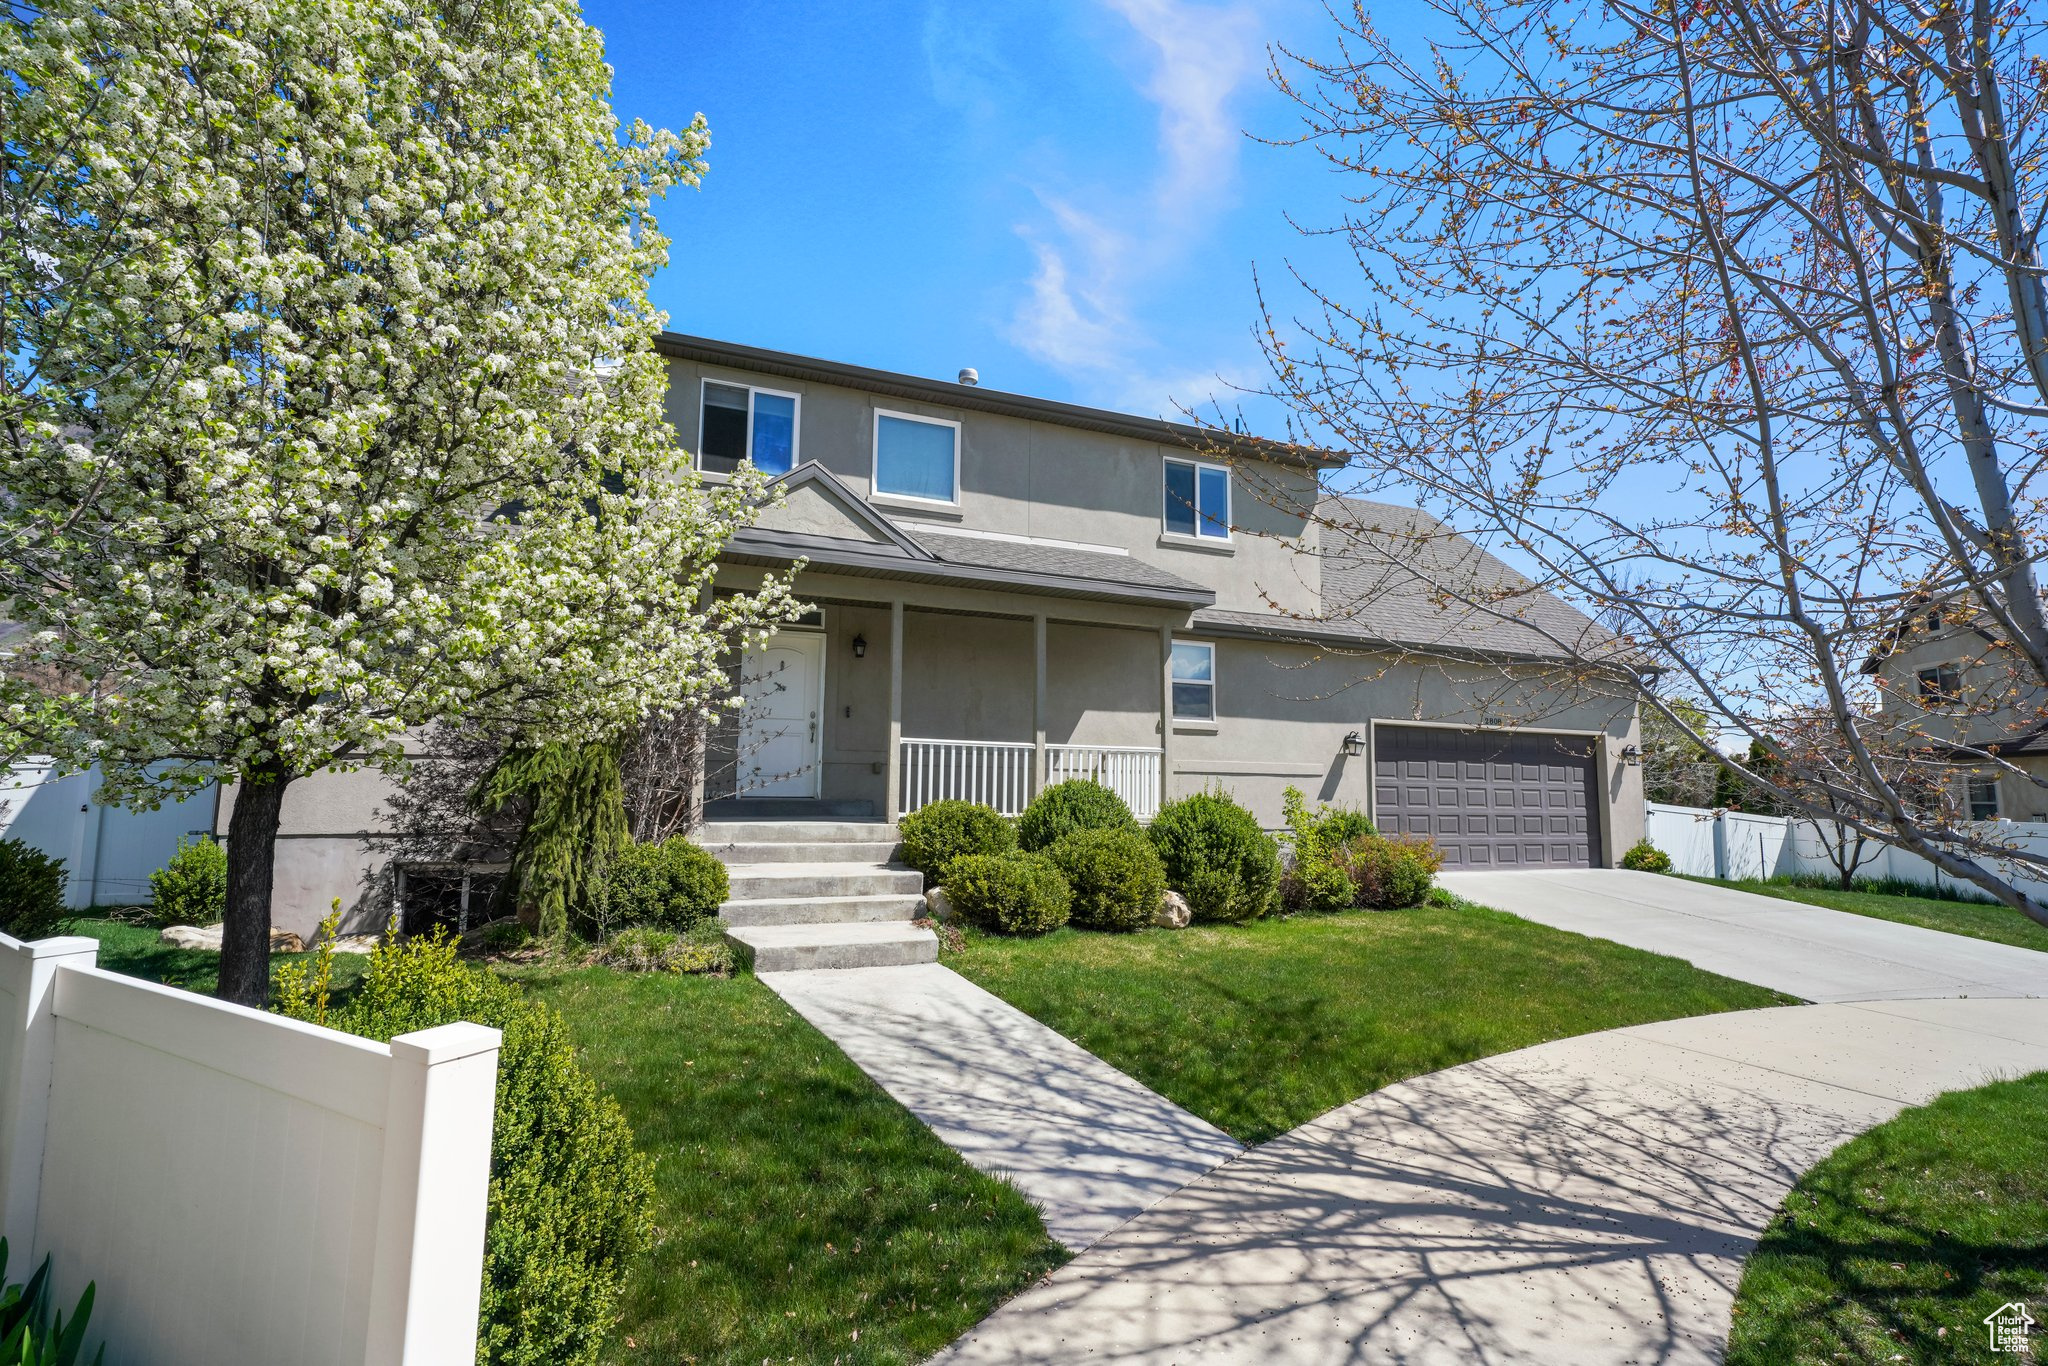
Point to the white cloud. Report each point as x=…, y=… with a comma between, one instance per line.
x=1076, y=316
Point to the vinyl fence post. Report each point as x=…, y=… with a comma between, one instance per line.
x=426, y=1281
x=28, y=976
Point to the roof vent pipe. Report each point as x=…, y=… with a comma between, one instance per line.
x=970, y=376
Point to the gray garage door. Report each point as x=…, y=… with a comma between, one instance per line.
x=1489, y=799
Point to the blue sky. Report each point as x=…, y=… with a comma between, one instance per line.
x=1061, y=195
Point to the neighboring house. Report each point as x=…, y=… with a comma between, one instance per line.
x=1010, y=591
x=1944, y=680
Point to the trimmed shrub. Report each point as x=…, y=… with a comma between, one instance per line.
x=192, y=889
x=1063, y=808
x=1217, y=857
x=643, y=948
x=1387, y=874
x=569, y=1197
x=1646, y=857
x=671, y=885
x=935, y=835
x=1116, y=877
x=1009, y=893
x=31, y=891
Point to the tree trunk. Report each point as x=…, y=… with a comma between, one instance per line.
x=245, y=927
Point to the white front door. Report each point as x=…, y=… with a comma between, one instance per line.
x=783, y=687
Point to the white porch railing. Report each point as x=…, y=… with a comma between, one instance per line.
x=1130, y=772
x=998, y=773
x=994, y=773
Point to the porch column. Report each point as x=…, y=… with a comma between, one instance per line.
x=1038, y=706
x=1165, y=714
x=894, y=800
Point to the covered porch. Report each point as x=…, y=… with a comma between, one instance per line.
x=947, y=664
x=886, y=707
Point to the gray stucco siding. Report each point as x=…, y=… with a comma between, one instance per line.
x=1023, y=478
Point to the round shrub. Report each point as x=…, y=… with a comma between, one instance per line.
x=1009, y=893
x=1317, y=879
x=1115, y=875
x=1646, y=857
x=1076, y=804
x=1217, y=857
x=31, y=891
x=671, y=885
x=935, y=835
x=570, y=1198
x=192, y=889
x=1387, y=874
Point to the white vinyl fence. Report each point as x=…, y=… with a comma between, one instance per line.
x=108, y=851
x=1733, y=844
x=241, y=1187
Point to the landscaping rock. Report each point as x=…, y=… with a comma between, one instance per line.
x=939, y=904
x=356, y=943
x=208, y=937
x=1174, y=913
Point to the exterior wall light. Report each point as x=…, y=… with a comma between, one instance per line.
x=860, y=647
x=1631, y=756
x=1354, y=744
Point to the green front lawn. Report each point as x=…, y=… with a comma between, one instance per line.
x=803, y=1215
x=136, y=951
x=1898, y=1245
x=1260, y=1027
x=1978, y=920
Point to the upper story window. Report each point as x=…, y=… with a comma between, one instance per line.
x=1197, y=497
x=917, y=457
x=740, y=423
x=1194, y=680
x=1940, y=686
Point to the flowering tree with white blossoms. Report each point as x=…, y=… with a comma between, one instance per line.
x=330, y=409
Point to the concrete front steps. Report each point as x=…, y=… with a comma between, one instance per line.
x=809, y=894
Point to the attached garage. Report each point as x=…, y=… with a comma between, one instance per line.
x=1490, y=799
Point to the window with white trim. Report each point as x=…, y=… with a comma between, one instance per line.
x=739, y=422
x=1983, y=794
x=1197, y=499
x=1940, y=686
x=917, y=457
x=1194, y=680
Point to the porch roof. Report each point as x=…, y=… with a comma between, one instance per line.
x=1050, y=571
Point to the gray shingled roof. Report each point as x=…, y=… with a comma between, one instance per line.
x=1035, y=558
x=1396, y=575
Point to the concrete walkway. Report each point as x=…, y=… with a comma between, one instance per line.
x=1091, y=1146
x=1809, y=952
x=1587, y=1201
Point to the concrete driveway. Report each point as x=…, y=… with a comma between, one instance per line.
x=1808, y=952
x=1587, y=1201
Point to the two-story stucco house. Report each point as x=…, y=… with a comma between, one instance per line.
x=1009, y=591
x=1947, y=684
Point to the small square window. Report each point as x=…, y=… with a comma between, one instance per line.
x=1197, y=499
x=917, y=457
x=1940, y=686
x=741, y=423
x=1983, y=799
x=1194, y=681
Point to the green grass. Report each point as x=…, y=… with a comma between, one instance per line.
x=803, y=1215
x=1978, y=920
x=136, y=951
x=1260, y=1027
x=1898, y=1244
